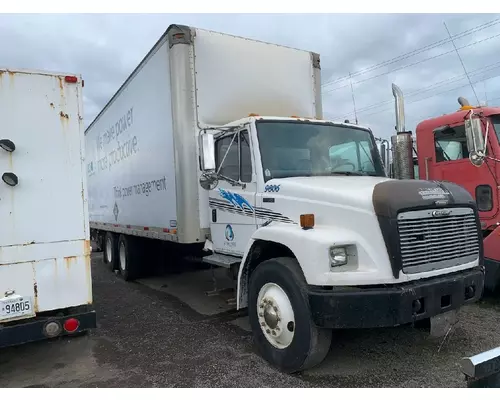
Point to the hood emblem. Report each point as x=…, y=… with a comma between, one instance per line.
x=441, y=213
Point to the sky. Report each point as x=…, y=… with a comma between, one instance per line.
x=412, y=50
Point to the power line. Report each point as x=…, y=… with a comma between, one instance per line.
x=411, y=65
x=437, y=94
x=434, y=116
x=444, y=82
x=461, y=62
x=417, y=51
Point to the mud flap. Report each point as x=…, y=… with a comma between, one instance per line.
x=442, y=324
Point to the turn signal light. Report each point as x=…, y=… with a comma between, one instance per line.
x=307, y=221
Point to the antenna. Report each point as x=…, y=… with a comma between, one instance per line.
x=461, y=62
x=353, y=100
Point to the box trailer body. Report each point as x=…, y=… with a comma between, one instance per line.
x=142, y=148
x=217, y=143
x=44, y=234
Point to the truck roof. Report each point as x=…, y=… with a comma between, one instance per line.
x=276, y=118
x=35, y=72
x=455, y=117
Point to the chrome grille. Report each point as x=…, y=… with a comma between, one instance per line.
x=435, y=239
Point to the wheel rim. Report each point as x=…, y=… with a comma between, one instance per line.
x=275, y=314
x=123, y=257
x=109, y=250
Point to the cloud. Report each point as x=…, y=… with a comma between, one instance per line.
x=106, y=48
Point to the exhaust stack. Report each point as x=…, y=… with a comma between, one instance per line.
x=400, y=108
x=463, y=102
x=402, y=142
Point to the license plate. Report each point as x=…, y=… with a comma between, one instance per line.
x=15, y=307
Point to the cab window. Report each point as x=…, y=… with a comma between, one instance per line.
x=237, y=164
x=450, y=144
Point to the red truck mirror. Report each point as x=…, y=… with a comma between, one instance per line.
x=475, y=140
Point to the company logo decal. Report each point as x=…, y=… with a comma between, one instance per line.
x=236, y=204
x=441, y=213
x=433, y=193
x=235, y=199
x=229, y=233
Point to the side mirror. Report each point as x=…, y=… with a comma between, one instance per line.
x=474, y=134
x=475, y=141
x=209, y=181
x=207, y=152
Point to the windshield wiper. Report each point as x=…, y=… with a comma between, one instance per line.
x=348, y=173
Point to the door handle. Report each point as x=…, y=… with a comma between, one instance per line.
x=214, y=215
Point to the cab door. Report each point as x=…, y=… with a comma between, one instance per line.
x=232, y=204
x=451, y=163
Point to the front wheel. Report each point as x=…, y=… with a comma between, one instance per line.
x=284, y=332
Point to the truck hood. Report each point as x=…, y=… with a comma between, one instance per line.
x=382, y=195
x=355, y=191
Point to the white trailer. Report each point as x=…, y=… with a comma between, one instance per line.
x=217, y=142
x=45, y=277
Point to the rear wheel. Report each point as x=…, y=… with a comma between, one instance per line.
x=284, y=332
x=127, y=257
x=110, y=250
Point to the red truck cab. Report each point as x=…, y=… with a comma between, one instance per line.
x=443, y=155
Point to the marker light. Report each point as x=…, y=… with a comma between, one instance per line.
x=10, y=178
x=7, y=145
x=307, y=221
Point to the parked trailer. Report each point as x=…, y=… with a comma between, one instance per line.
x=45, y=278
x=217, y=142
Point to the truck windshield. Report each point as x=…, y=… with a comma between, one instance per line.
x=295, y=148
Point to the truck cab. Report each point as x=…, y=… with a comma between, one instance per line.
x=443, y=155
x=322, y=239
x=267, y=158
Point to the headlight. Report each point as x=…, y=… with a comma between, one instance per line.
x=338, y=256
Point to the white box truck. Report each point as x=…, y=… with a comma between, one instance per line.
x=45, y=277
x=218, y=142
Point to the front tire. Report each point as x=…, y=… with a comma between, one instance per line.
x=280, y=318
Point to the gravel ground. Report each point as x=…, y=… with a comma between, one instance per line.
x=147, y=338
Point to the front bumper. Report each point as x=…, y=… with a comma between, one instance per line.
x=383, y=306
x=32, y=330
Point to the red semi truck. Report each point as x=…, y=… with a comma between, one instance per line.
x=464, y=148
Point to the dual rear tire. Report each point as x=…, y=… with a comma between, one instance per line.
x=120, y=254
